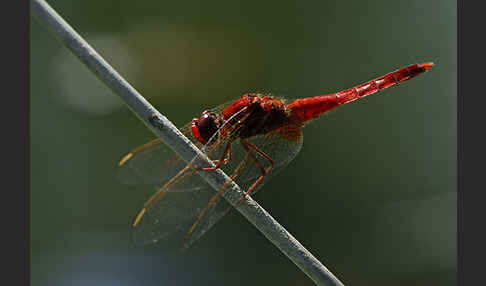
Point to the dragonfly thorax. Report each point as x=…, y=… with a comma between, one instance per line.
x=255, y=114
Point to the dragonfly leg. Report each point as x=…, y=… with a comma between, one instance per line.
x=248, y=145
x=220, y=162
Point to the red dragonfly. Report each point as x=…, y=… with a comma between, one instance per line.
x=251, y=139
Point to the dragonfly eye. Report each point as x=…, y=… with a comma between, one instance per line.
x=204, y=127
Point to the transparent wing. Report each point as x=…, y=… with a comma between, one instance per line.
x=153, y=163
x=173, y=215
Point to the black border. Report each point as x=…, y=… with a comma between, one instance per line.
x=15, y=140
x=471, y=144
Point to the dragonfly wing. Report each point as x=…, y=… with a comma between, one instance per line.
x=173, y=215
x=175, y=208
x=178, y=203
x=176, y=213
x=152, y=163
x=281, y=145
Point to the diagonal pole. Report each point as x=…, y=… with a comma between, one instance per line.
x=170, y=135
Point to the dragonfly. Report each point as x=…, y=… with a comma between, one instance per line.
x=251, y=138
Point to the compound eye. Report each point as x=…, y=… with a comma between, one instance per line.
x=204, y=127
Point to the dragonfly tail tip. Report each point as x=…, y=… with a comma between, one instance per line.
x=427, y=66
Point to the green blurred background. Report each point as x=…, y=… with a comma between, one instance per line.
x=372, y=194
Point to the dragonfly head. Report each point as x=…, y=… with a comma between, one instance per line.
x=205, y=126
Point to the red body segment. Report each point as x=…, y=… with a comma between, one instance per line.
x=311, y=107
x=242, y=102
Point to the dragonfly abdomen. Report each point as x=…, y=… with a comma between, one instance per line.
x=311, y=107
